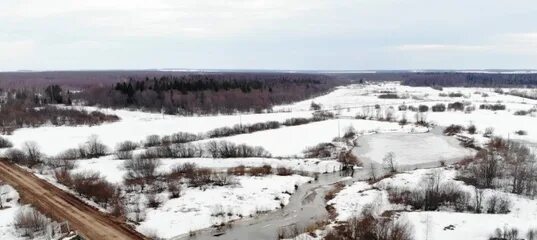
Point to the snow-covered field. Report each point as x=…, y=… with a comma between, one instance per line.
x=351, y=99
x=292, y=141
x=196, y=209
x=410, y=149
x=112, y=169
x=431, y=224
x=134, y=126
x=7, y=214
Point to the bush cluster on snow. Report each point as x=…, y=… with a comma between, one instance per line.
x=369, y=226
x=502, y=164
x=4, y=143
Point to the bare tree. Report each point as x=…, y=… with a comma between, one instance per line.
x=95, y=148
x=141, y=170
x=348, y=160
x=390, y=162
x=32, y=153
x=30, y=222
x=372, y=172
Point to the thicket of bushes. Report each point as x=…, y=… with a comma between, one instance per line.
x=29, y=156
x=28, y=108
x=4, y=143
x=225, y=149
x=493, y=107
x=30, y=222
x=502, y=164
x=513, y=233
x=370, y=227
x=88, y=184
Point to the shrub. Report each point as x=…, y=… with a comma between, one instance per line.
x=185, y=150
x=201, y=177
x=30, y=222
x=225, y=149
x=423, y=108
x=521, y=132
x=182, y=137
x=488, y=132
x=505, y=234
x=174, y=187
x=261, y=171
x=321, y=150
x=521, y=113
x=296, y=121
x=440, y=107
x=126, y=146
x=453, y=130
x=4, y=143
x=283, y=171
x=493, y=107
x=183, y=170
x=452, y=94
x=471, y=129
x=370, y=227
x=95, y=148
x=322, y=115
x=315, y=106
x=15, y=155
x=237, y=171
x=72, y=154
x=124, y=155
x=350, y=133
x=63, y=176
x=388, y=96
x=93, y=186
x=497, y=204
x=141, y=170
x=152, y=141
x=456, y=106
x=153, y=201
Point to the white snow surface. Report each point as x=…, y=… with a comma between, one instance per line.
x=351, y=99
x=292, y=141
x=430, y=225
x=112, y=169
x=7, y=214
x=134, y=126
x=193, y=210
x=410, y=149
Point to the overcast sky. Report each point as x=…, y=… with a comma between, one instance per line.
x=277, y=34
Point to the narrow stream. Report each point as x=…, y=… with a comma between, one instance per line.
x=306, y=206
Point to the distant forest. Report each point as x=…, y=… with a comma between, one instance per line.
x=452, y=79
x=208, y=93
x=189, y=93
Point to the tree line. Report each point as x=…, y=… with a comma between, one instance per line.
x=452, y=79
x=208, y=93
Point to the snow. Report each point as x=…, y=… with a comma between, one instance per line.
x=193, y=210
x=410, y=149
x=134, y=126
x=352, y=199
x=351, y=99
x=430, y=225
x=292, y=141
x=112, y=169
x=7, y=214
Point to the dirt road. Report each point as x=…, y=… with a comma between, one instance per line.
x=88, y=221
